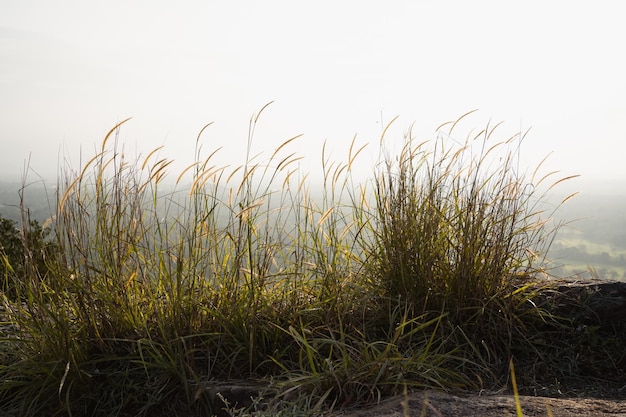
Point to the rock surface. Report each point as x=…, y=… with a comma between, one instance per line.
x=438, y=404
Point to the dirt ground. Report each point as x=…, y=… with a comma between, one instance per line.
x=438, y=404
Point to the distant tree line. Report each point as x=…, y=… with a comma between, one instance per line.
x=23, y=250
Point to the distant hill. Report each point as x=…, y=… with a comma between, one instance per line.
x=593, y=234
x=596, y=234
x=39, y=198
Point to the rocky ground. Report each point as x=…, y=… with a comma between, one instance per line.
x=442, y=404
x=438, y=404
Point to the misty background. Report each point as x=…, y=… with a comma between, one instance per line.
x=70, y=70
x=590, y=242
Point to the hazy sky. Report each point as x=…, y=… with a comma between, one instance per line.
x=69, y=70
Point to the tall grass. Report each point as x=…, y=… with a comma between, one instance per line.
x=453, y=227
x=344, y=298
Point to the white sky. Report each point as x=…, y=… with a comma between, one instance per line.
x=69, y=70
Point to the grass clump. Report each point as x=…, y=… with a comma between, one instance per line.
x=459, y=229
x=414, y=279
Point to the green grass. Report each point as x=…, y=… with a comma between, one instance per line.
x=420, y=278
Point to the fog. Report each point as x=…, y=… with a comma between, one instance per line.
x=335, y=72
x=71, y=70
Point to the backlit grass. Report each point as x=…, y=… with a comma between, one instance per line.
x=419, y=277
